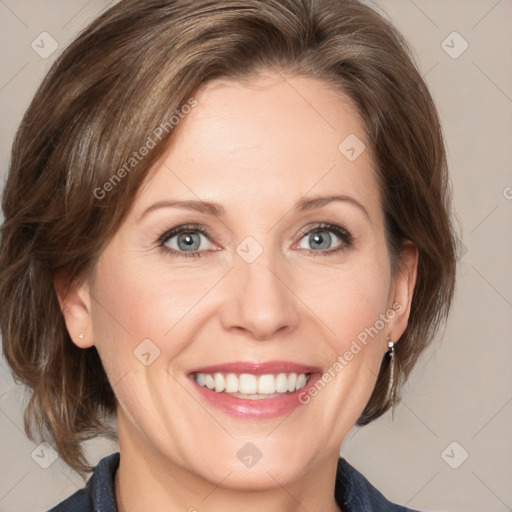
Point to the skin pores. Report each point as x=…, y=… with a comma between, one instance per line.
x=256, y=150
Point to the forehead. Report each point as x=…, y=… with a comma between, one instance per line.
x=274, y=138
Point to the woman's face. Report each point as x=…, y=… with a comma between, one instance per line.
x=255, y=247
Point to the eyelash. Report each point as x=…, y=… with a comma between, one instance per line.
x=180, y=229
x=345, y=237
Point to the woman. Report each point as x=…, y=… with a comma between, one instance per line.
x=227, y=227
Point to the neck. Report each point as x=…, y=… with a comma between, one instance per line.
x=147, y=480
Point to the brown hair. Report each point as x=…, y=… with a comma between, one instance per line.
x=127, y=74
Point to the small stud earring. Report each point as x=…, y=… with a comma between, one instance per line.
x=81, y=336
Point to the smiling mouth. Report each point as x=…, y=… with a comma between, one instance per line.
x=251, y=386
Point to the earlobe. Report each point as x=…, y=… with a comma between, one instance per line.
x=405, y=282
x=75, y=305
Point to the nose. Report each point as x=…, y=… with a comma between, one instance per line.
x=258, y=300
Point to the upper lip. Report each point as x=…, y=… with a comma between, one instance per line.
x=257, y=368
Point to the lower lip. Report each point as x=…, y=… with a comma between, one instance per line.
x=264, y=408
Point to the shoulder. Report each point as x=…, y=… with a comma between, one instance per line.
x=354, y=492
x=98, y=494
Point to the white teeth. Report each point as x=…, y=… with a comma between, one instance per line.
x=292, y=382
x=220, y=382
x=248, y=385
x=281, y=383
x=208, y=380
x=301, y=381
x=231, y=383
x=266, y=385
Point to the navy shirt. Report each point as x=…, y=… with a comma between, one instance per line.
x=353, y=493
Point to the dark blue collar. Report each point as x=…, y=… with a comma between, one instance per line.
x=353, y=493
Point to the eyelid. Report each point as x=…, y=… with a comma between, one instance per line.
x=344, y=234
x=346, y=240
x=176, y=230
x=341, y=232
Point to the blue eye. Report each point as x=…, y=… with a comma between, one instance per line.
x=186, y=241
x=325, y=239
x=195, y=241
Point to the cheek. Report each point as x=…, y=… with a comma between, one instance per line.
x=136, y=314
x=134, y=302
x=349, y=300
x=348, y=303
x=353, y=303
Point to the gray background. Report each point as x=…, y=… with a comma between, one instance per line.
x=458, y=402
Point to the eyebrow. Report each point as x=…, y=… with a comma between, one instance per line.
x=319, y=201
x=217, y=210
x=198, y=206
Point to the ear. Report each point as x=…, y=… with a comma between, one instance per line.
x=403, y=288
x=75, y=304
